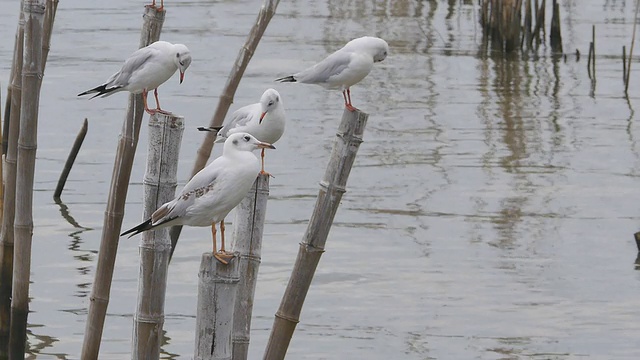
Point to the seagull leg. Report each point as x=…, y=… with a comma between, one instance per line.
x=213, y=234
x=222, y=255
x=161, y=8
x=144, y=99
x=155, y=93
x=262, y=172
x=347, y=104
x=153, y=4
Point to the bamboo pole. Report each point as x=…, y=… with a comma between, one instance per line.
x=27, y=146
x=633, y=41
x=593, y=41
x=99, y=299
x=345, y=148
x=555, y=35
x=247, y=242
x=217, y=284
x=6, y=234
x=267, y=11
x=71, y=159
x=624, y=64
x=160, y=180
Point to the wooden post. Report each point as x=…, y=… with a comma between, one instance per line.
x=71, y=159
x=217, y=286
x=555, y=36
x=267, y=11
x=27, y=145
x=333, y=185
x=165, y=135
x=247, y=242
x=12, y=118
x=112, y=225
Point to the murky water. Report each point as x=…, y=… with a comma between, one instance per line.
x=489, y=216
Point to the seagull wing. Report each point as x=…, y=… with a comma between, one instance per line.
x=323, y=71
x=239, y=118
x=134, y=63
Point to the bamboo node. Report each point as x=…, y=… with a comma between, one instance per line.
x=287, y=318
x=350, y=138
x=250, y=257
x=241, y=340
x=97, y=299
x=149, y=319
x=332, y=187
x=309, y=247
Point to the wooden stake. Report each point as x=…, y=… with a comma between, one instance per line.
x=71, y=159
x=27, y=145
x=589, y=60
x=214, y=318
x=163, y=149
x=624, y=64
x=555, y=36
x=247, y=243
x=112, y=225
x=345, y=148
x=267, y=11
x=633, y=41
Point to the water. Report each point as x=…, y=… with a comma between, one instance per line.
x=489, y=214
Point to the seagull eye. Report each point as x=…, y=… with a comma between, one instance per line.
x=181, y=63
x=271, y=103
x=247, y=138
x=178, y=55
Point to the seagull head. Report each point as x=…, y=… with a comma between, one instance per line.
x=182, y=59
x=374, y=46
x=244, y=142
x=270, y=100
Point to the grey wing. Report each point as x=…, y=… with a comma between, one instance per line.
x=240, y=117
x=135, y=62
x=200, y=184
x=332, y=65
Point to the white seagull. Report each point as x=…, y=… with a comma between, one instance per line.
x=264, y=120
x=213, y=192
x=145, y=70
x=345, y=67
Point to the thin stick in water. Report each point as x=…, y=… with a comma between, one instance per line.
x=71, y=159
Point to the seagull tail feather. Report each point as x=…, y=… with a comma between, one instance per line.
x=287, y=79
x=100, y=91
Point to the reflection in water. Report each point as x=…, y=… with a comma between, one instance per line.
x=37, y=344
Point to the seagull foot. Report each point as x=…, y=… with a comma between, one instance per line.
x=164, y=111
x=351, y=107
x=223, y=256
x=262, y=172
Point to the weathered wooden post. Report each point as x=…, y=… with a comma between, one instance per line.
x=555, y=35
x=27, y=145
x=12, y=118
x=114, y=213
x=217, y=286
x=247, y=243
x=165, y=136
x=333, y=185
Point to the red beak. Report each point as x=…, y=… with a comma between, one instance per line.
x=181, y=77
x=262, y=117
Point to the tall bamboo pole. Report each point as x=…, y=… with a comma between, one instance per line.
x=27, y=146
x=160, y=180
x=99, y=299
x=6, y=234
x=247, y=242
x=333, y=185
x=217, y=284
x=267, y=11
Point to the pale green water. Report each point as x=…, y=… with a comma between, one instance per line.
x=489, y=216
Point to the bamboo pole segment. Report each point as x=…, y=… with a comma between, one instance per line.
x=71, y=159
x=10, y=162
x=333, y=185
x=555, y=35
x=528, y=37
x=17, y=47
x=217, y=284
x=247, y=242
x=593, y=40
x=624, y=64
x=27, y=145
x=203, y=153
x=160, y=180
x=633, y=41
x=99, y=299
x=589, y=59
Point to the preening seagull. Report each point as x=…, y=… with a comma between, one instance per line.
x=213, y=192
x=345, y=67
x=145, y=70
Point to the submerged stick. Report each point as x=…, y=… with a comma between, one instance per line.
x=267, y=11
x=27, y=146
x=160, y=180
x=332, y=186
x=217, y=284
x=99, y=299
x=247, y=243
x=71, y=159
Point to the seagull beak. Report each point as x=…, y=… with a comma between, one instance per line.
x=264, y=145
x=262, y=117
x=181, y=76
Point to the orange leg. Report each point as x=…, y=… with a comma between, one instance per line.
x=155, y=93
x=347, y=103
x=213, y=234
x=153, y=5
x=144, y=99
x=222, y=255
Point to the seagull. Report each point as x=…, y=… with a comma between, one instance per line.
x=213, y=192
x=345, y=67
x=145, y=70
x=265, y=120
